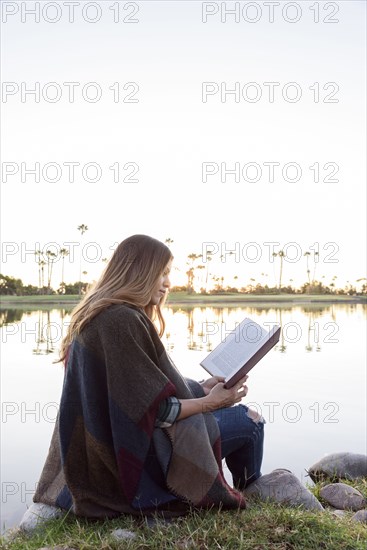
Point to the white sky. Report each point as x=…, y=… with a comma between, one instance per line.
x=170, y=132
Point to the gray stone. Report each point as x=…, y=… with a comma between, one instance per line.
x=284, y=487
x=361, y=516
x=337, y=466
x=185, y=544
x=343, y=496
x=37, y=514
x=339, y=513
x=123, y=534
x=157, y=522
x=11, y=534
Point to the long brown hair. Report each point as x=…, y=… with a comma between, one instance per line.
x=129, y=276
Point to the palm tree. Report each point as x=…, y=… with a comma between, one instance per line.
x=42, y=265
x=281, y=255
x=190, y=273
x=314, y=268
x=208, y=259
x=190, y=280
x=308, y=254
x=363, y=286
x=51, y=256
x=222, y=282
x=63, y=253
x=38, y=253
x=199, y=268
x=215, y=280
x=168, y=241
x=82, y=228
x=264, y=279
x=332, y=284
x=251, y=285
x=84, y=285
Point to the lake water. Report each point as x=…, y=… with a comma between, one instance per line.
x=311, y=388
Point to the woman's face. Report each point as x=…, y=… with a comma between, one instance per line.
x=162, y=286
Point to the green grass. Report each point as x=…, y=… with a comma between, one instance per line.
x=41, y=298
x=182, y=298
x=262, y=526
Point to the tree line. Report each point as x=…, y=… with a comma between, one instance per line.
x=11, y=286
x=201, y=278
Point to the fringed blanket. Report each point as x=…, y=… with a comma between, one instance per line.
x=106, y=455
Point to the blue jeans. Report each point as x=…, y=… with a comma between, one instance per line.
x=242, y=440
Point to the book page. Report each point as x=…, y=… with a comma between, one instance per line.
x=238, y=347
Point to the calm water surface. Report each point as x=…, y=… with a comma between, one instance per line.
x=311, y=388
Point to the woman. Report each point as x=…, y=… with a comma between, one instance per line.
x=132, y=435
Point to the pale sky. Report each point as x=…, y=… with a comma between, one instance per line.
x=169, y=132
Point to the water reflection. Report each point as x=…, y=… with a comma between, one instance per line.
x=46, y=327
x=308, y=326
x=8, y=316
x=49, y=332
x=311, y=326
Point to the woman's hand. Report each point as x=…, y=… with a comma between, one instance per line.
x=220, y=397
x=217, y=397
x=210, y=383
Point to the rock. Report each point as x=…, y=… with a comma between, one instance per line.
x=284, y=487
x=338, y=466
x=11, y=534
x=156, y=522
x=123, y=534
x=339, y=513
x=361, y=516
x=343, y=496
x=185, y=544
x=37, y=514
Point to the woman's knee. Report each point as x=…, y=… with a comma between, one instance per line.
x=255, y=417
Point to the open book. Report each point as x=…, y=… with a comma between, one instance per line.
x=240, y=351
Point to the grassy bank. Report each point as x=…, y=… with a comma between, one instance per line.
x=262, y=526
x=38, y=299
x=182, y=298
x=235, y=298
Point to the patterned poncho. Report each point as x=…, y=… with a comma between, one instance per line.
x=106, y=455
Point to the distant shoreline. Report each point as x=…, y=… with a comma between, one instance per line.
x=183, y=299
